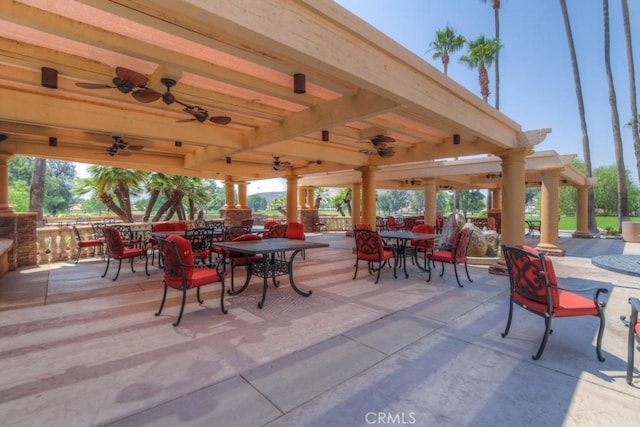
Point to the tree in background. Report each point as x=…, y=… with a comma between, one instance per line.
x=36, y=195
x=256, y=202
x=444, y=202
x=605, y=190
x=416, y=201
x=471, y=201
x=591, y=213
x=496, y=17
x=445, y=43
x=392, y=201
x=58, y=178
x=623, y=204
x=632, y=83
x=481, y=53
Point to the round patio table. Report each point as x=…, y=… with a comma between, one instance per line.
x=625, y=264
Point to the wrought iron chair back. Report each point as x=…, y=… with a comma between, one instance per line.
x=370, y=248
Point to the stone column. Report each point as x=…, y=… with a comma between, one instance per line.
x=430, y=201
x=582, y=212
x=5, y=207
x=550, y=211
x=369, y=195
x=496, y=200
x=513, y=196
x=242, y=195
x=292, y=198
x=310, y=200
x=229, y=195
x=356, y=202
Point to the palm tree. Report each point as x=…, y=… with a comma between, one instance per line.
x=108, y=182
x=446, y=42
x=591, y=216
x=623, y=202
x=496, y=17
x=154, y=185
x=481, y=53
x=632, y=83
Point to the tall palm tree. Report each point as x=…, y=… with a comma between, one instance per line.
x=623, y=203
x=591, y=216
x=154, y=185
x=481, y=53
x=496, y=18
x=446, y=42
x=108, y=182
x=632, y=83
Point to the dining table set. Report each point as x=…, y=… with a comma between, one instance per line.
x=276, y=255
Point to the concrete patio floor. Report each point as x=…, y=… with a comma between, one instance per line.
x=79, y=350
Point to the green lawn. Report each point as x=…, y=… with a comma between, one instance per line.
x=569, y=222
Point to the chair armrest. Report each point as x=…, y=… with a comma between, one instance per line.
x=596, y=294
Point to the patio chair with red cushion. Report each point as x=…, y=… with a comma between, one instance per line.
x=370, y=248
x=246, y=223
x=318, y=224
x=295, y=231
x=392, y=224
x=634, y=336
x=534, y=287
x=181, y=273
x=456, y=254
x=117, y=249
x=82, y=243
x=278, y=231
x=417, y=247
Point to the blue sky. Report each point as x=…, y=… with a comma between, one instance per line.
x=536, y=81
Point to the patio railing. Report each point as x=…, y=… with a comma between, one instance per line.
x=58, y=243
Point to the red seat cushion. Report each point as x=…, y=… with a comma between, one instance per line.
x=374, y=257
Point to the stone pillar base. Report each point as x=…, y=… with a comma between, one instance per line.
x=581, y=235
x=234, y=216
x=550, y=249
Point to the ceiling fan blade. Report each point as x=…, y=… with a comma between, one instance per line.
x=146, y=95
x=131, y=76
x=185, y=120
x=87, y=85
x=385, y=138
x=220, y=120
x=135, y=147
x=124, y=153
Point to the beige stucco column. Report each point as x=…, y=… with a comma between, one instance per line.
x=229, y=194
x=292, y=198
x=310, y=199
x=430, y=201
x=302, y=192
x=5, y=207
x=550, y=211
x=369, y=195
x=356, y=201
x=242, y=195
x=582, y=212
x=513, y=196
x=496, y=200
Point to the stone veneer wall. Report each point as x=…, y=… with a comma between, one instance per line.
x=234, y=216
x=306, y=218
x=21, y=228
x=27, y=239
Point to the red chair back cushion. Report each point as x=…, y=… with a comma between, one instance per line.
x=295, y=231
x=184, y=252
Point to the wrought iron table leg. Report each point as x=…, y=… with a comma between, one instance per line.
x=293, y=283
x=265, y=278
